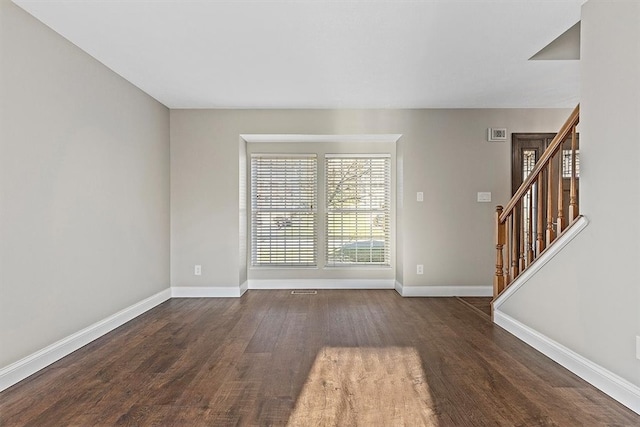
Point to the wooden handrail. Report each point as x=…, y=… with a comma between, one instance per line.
x=571, y=122
x=525, y=226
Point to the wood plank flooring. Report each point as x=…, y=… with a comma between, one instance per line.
x=482, y=304
x=352, y=358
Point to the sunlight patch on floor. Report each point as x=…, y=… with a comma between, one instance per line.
x=365, y=387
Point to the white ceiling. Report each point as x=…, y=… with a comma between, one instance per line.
x=327, y=54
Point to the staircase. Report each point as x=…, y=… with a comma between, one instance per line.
x=540, y=211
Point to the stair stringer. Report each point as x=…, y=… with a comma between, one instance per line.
x=540, y=262
x=608, y=382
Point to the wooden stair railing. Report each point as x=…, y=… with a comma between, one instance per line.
x=525, y=227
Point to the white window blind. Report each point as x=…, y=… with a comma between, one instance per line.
x=358, y=209
x=283, y=210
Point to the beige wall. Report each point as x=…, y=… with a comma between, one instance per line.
x=443, y=153
x=84, y=178
x=588, y=297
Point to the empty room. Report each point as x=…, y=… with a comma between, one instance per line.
x=319, y=213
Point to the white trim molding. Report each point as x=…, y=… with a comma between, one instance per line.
x=540, y=262
x=398, y=287
x=444, y=291
x=299, y=138
x=207, y=292
x=618, y=388
x=323, y=284
x=31, y=364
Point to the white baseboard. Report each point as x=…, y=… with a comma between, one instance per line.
x=546, y=256
x=31, y=364
x=618, y=388
x=207, y=292
x=398, y=287
x=244, y=287
x=444, y=291
x=322, y=284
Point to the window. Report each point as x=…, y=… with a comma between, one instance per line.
x=352, y=225
x=358, y=209
x=567, y=161
x=283, y=210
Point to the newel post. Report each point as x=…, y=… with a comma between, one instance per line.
x=498, y=280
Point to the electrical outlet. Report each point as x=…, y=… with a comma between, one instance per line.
x=637, y=347
x=197, y=270
x=419, y=196
x=419, y=269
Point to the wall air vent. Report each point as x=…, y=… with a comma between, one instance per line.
x=497, y=134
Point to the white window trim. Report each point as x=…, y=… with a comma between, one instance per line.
x=301, y=139
x=294, y=138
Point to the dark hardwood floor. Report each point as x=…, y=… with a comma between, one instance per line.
x=347, y=358
x=482, y=304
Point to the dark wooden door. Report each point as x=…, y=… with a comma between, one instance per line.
x=526, y=149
